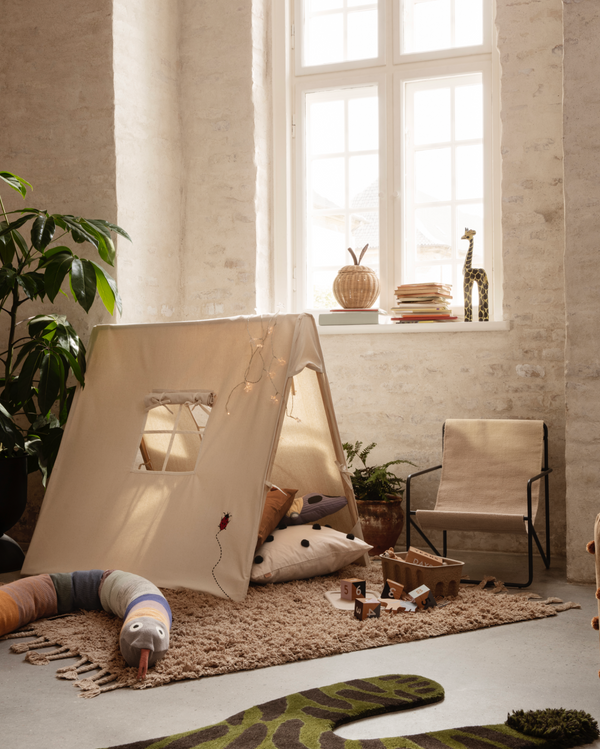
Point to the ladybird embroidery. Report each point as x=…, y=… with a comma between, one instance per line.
x=224, y=521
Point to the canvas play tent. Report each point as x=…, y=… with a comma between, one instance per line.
x=142, y=486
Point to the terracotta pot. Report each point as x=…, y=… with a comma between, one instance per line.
x=382, y=523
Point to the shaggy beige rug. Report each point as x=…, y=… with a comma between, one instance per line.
x=275, y=624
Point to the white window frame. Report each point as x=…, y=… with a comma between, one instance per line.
x=302, y=69
x=288, y=162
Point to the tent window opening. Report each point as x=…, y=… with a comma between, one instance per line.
x=173, y=431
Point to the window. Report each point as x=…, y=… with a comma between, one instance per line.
x=391, y=109
x=173, y=431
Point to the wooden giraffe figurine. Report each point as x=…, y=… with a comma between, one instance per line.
x=478, y=276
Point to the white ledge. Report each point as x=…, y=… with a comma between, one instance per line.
x=430, y=327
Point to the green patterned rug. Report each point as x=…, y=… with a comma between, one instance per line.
x=306, y=720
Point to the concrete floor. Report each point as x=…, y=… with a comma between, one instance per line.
x=547, y=663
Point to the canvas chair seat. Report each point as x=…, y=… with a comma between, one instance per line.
x=486, y=467
x=487, y=522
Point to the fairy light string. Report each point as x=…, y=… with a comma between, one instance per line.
x=260, y=360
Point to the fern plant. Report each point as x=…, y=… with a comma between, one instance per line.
x=373, y=483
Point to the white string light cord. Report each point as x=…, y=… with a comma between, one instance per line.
x=258, y=350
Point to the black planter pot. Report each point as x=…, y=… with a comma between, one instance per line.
x=13, y=499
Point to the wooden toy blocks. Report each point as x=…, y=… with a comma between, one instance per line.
x=367, y=608
x=392, y=589
x=423, y=558
x=353, y=588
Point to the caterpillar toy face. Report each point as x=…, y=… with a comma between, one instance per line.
x=140, y=634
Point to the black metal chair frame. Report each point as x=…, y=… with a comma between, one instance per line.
x=531, y=533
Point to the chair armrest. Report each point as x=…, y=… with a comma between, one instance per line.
x=529, y=483
x=408, y=480
x=420, y=473
x=410, y=512
x=539, y=476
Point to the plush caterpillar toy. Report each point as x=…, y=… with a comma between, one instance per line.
x=144, y=637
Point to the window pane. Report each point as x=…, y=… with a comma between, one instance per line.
x=433, y=233
x=364, y=181
x=428, y=25
x=325, y=39
x=327, y=132
x=363, y=124
x=328, y=239
x=434, y=274
x=468, y=15
x=469, y=112
x=432, y=122
x=335, y=32
x=343, y=184
x=328, y=183
x=364, y=229
x=321, y=290
x=314, y=6
x=184, y=452
x=433, y=175
x=469, y=172
x=362, y=35
x=440, y=180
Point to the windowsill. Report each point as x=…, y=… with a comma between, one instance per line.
x=431, y=327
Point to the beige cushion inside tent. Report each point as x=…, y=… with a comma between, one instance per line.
x=101, y=511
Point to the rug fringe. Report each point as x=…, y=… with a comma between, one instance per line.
x=42, y=659
x=21, y=633
x=566, y=606
x=74, y=667
x=95, y=685
x=95, y=691
x=23, y=647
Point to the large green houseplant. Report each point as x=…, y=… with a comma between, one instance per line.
x=44, y=355
x=378, y=492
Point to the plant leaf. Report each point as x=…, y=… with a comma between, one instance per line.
x=38, y=324
x=49, y=254
x=16, y=224
x=72, y=224
x=10, y=435
x=42, y=231
x=83, y=282
x=28, y=285
x=17, y=183
x=26, y=348
x=56, y=270
x=106, y=248
x=107, y=289
x=50, y=382
x=7, y=247
x=72, y=362
x=27, y=373
x=112, y=227
x=19, y=240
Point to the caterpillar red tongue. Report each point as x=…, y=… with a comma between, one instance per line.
x=143, y=669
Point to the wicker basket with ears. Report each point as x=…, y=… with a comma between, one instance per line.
x=356, y=286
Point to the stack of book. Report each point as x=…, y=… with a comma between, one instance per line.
x=423, y=302
x=354, y=317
